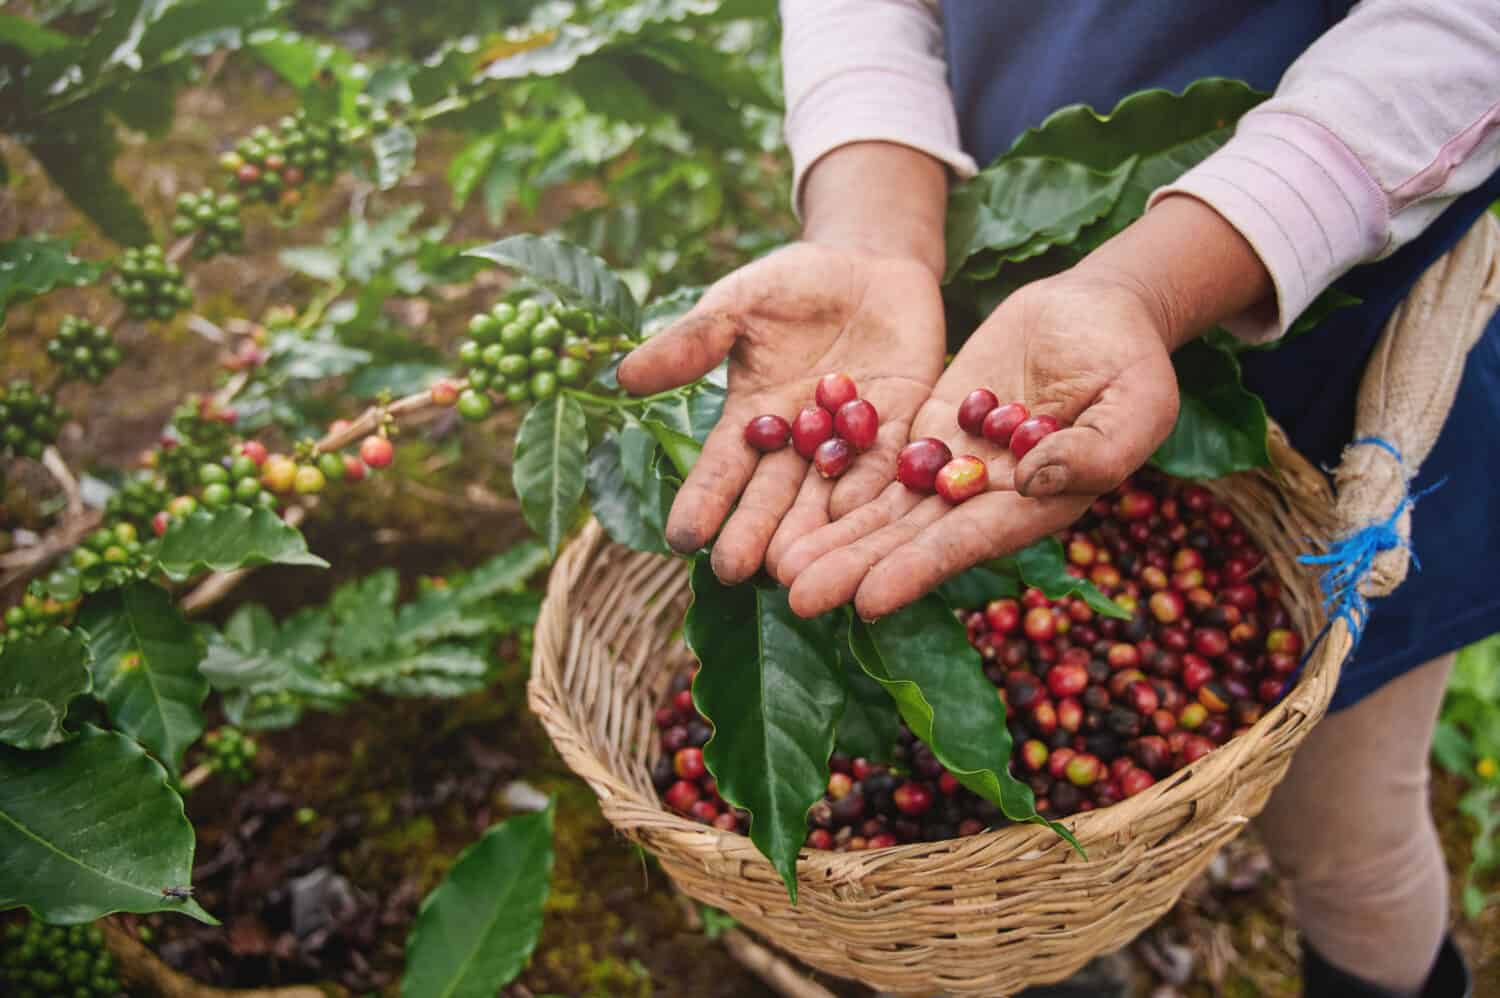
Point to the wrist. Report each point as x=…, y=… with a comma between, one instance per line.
x=1187, y=265
x=880, y=199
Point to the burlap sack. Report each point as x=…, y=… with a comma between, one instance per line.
x=1408, y=389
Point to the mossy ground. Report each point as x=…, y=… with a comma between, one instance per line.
x=387, y=793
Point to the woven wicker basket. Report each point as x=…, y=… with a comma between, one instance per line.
x=984, y=915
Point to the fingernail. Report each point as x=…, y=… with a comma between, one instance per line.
x=1049, y=481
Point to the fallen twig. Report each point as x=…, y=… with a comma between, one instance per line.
x=140, y=967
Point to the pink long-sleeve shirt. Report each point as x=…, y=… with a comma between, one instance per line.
x=1392, y=114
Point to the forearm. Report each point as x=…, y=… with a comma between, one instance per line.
x=878, y=197
x=1190, y=266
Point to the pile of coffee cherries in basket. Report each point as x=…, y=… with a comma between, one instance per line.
x=1099, y=709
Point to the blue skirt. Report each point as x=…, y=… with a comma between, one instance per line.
x=1011, y=65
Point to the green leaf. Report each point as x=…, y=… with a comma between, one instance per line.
x=78, y=150
x=471, y=165
x=571, y=272
x=230, y=538
x=551, y=448
x=1043, y=565
x=771, y=687
x=477, y=929
x=1023, y=206
x=626, y=494
x=691, y=414
x=667, y=309
x=505, y=573
x=395, y=151
x=870, y=723
x=681, y=449
x=296, y=356
x=398, y=379
x=365, y=615
x=145, y=668
x=32, y=266
x=922, y=656
x=91, y=827
x=1167, y=133
x=463, y=670
x=1221, y=426
x=39, y=677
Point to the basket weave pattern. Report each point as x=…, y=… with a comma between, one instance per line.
x=979, y=916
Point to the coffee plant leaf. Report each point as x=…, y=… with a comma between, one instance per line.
x=1164, y=132
x=922, y=656
x=395, y=151
x=571, y=272
x=626, y=495
x=506, y=573
x=396, y=380
x=178, y=28
x=691, y=413
x=551, y=449
x=229, y=538
x=39, y=677
x=1044, y=565
x=770, y=684
x=454, y=665
x=667, y=309
x=870, y=723
x=478, y=928
x=472, y=164
x=1221, y=425
x=91, y=827
x=77, y=149
x=145, y=666
x=681, y=449
x=1023, y=206
x=307, y=359
x=364, y=613
x=34, y=265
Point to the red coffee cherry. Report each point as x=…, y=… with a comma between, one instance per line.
x=767, y=433
x=857, y=422
x=834, y=390
x=833, y=457
x=812, y=426
x=1030, y=433
x=376, y=451
x=962, y=478
x=919, y=462
x=1001, y=421
x=974, y=408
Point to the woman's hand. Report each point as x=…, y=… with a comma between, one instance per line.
x=1090, y=347
x=784, y=321
x=1091, y=352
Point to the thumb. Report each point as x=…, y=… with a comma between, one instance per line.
x=687, y=350
x=1113, y=437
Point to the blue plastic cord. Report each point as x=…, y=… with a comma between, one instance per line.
x=1349, y=560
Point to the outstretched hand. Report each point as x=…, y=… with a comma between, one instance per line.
x=1090, y=352
x=783, y=321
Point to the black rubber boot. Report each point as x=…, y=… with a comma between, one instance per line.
x=1449, y=978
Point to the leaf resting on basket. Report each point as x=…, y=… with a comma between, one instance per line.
x=771, y=686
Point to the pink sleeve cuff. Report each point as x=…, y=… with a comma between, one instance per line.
x=1301, y=199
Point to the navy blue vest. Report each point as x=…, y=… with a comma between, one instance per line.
x=1013, y=64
